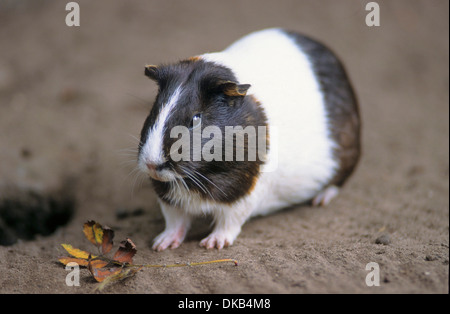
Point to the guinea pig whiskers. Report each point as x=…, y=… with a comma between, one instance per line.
x=130, y=154
x=136, y=173
x=180, y=177
x=196, y=180
x=144, y=101
x=129, y=163
x=173, y=151
x=129, y=159
x=137, y=140
x=198, y=173
x=176, y=182
x=130, y=149
x=185, y=184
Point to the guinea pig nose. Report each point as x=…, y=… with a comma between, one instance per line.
x=151, y=167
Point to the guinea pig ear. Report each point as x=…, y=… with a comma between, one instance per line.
x=234, y=89
x=152, y=72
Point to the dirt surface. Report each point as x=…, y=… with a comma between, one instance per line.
x=73, y=100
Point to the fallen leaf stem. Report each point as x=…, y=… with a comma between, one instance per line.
x=183, y=264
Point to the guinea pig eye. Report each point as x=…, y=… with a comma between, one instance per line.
x=196, y=121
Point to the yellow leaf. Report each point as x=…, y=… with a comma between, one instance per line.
x=79, y=261
x=93, y=232
x=76, y=252
x=98, y=233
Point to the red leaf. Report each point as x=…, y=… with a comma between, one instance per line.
x=125, y=252
x=102, y=269
x=107, y=243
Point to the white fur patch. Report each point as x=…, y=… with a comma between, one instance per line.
x=152, y=151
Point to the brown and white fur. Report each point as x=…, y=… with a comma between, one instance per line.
x=291, y=84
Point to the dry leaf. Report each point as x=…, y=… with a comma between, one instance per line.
x=101, y=269
x=107, y=243
x=79, y=261
x=99, y=235
x=93, y=232
x=125, y=272
x=125, y=252
x=75, y=252
x=78, y=256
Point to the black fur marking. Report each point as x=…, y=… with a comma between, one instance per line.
x=203, y=92
x=340, y=102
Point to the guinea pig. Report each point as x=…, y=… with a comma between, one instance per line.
x=279, y=89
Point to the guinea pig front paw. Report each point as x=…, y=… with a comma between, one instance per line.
x=168, y=239
x=217, y=240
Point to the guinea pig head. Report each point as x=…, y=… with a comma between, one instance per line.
x=184, y=136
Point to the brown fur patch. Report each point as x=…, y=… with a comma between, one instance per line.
x=194, y=59
x=341, y=105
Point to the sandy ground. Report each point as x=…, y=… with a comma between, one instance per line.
x=73, y=99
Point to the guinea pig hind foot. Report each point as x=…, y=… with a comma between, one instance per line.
x=324, y=197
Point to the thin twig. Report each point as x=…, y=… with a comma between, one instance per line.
x=184, y=264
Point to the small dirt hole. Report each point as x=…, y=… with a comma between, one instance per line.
x=25, y=214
